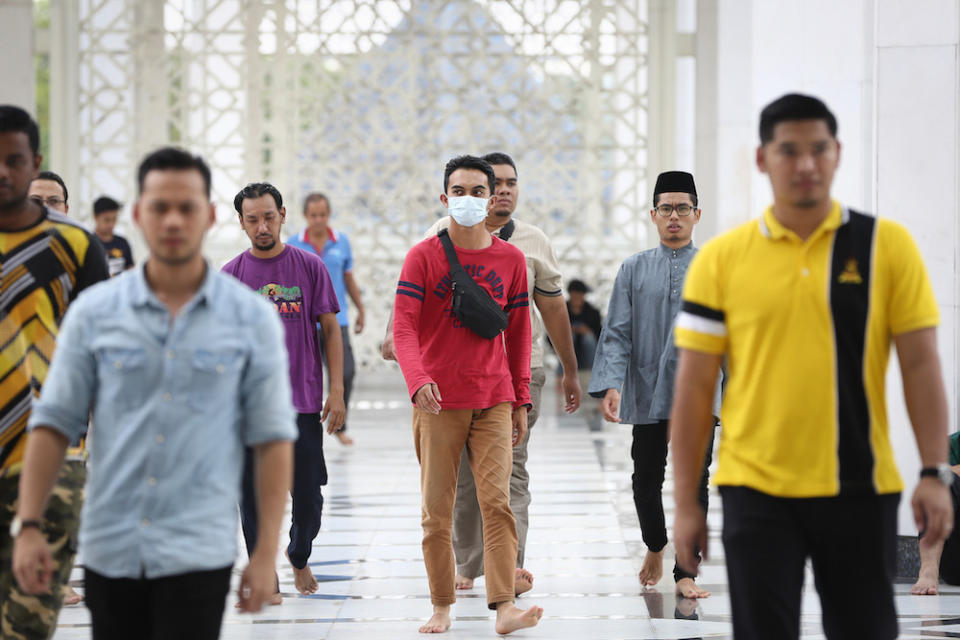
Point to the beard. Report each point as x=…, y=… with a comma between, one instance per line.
x=265, y=245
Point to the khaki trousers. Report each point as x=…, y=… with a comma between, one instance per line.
x=468, y=542
x=439, y=441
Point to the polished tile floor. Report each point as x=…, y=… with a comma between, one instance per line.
x=584, y=548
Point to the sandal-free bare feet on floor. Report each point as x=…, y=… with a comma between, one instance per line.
x=438, y=622
x=462, y=582
x=687, y=588
x=510, y=618
x=652, y=568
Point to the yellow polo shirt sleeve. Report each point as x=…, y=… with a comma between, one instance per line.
x=911, y=305
x=701, y=323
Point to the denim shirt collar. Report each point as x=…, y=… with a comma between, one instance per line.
x=142, y=295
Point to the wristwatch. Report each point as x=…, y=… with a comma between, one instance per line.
x=17, y=525
x=941, y=472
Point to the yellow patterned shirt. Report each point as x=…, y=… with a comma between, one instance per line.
x=42, y=270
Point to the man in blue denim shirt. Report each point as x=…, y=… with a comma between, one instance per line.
x=182, y=367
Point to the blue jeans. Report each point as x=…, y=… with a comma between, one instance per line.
x=309, y=475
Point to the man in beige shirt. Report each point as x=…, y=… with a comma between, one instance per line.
x=545, y=287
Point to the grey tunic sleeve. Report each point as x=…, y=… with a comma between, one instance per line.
x=616, y=339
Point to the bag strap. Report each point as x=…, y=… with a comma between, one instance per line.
x=507, y=230
x=447, y=243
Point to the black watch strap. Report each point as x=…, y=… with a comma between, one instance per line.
x=30, y=524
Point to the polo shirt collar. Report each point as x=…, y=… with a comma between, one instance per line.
x=333, y=235
x=771, y=228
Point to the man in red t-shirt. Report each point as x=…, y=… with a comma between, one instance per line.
x=467, y=390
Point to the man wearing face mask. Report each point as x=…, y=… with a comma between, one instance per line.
x=467, y=390
x=544, y=288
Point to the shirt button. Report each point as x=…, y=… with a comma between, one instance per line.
x=170, y=355
x=160, y=439
x=167, y=397
x=220, y=368
x=144, y=523
x=118, y=365
x=152, y=482
x=805, y=271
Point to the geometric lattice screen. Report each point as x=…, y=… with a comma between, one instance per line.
x=365, y=100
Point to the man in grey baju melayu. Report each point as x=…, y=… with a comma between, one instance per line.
x=636, y=354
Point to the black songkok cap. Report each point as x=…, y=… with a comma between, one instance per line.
x=675, y=182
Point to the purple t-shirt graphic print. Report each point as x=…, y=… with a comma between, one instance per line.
x=299, y=286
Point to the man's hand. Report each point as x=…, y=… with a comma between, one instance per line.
x=427, y=398
x=519, y=420
x=335, y=410
x=32, y=562
x=689, y=534
x=257, y=582
x=359, y=324
x=610, y=406
x=932, y=510
x=571, y=392
x=386, y=349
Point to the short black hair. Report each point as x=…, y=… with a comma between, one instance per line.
x=794, y=106
x=498, y=157
x=253, y=191
x=14, y=119
x=469, y=162
x=104, y=204
x=316, y=196
x=50, y=175
x=172, y=159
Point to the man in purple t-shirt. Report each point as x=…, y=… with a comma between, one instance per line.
x=298, y=284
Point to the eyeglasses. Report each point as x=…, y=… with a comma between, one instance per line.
x=52, y=201
x=666, y=210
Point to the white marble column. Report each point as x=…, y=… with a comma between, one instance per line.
x=17, y=51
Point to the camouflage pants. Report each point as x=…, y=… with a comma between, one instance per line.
x=27, y=617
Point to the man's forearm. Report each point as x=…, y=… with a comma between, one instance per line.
x=691, y=419
x=353, y=291
x=41, y=465
x=333, y=345
x=273, y=470
x=553, y=310
x=924, y=394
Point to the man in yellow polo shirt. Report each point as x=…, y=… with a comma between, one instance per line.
x=804, y=303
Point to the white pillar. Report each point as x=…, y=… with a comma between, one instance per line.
x=917, y=160
x=65, y=91
x=17, y=51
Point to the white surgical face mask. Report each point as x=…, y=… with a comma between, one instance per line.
x=468, y=210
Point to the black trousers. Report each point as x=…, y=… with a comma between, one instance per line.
x=349, y=366
x=188, y=606
x=649, y=453
x=851, y=542
x=309, y=475
x=950, y=558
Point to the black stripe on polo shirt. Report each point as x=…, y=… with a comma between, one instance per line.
x=702, y=311
x=850, y=304
x=412, y=294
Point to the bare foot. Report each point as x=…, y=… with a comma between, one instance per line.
x=687, y=588
x=344, y=439
x=275, y=600
x=71, y=597
x=510, y=618
x=928, y=582
x=462, y=583
x=652, y=569
x=438, y=622
x=304, y=580
x=522, y=581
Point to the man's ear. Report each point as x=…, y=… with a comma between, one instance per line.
x=283, y=215
x=761, y=161
x=443, y=199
